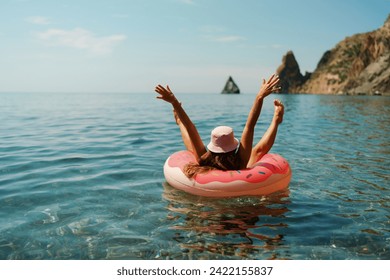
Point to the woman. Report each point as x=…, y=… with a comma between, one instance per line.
x=222, y=150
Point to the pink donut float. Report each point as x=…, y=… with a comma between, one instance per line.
x=270, y=174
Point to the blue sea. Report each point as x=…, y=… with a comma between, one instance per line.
x=81, y=177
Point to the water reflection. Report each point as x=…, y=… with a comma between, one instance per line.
x=250, y=227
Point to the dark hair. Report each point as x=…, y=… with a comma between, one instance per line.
x=212, y=161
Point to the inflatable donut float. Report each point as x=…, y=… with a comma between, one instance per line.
x=270, y=174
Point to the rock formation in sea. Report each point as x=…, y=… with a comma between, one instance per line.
x=230, y=86
x=290, y=74
x=360, y=64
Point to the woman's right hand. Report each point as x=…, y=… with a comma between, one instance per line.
x=269, y=86
x=165, y=94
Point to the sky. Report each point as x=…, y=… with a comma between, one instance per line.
x=130, y=46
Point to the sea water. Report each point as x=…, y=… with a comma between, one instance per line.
x=81, y=178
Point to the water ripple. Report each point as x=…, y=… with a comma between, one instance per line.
x=81, y=178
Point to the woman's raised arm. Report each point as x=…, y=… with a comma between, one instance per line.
x=246, y=142
x=167, y=95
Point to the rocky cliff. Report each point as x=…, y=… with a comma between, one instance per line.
x=359, y=64
x=290, y=74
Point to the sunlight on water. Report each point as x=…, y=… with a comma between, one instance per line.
x=81, y=178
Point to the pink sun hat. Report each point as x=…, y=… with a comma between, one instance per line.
x=222, y=140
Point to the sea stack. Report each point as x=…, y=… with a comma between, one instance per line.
x=290, y=74
x=230, y=87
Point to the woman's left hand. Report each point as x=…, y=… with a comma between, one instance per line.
x=165, y=94
x=269, y=86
